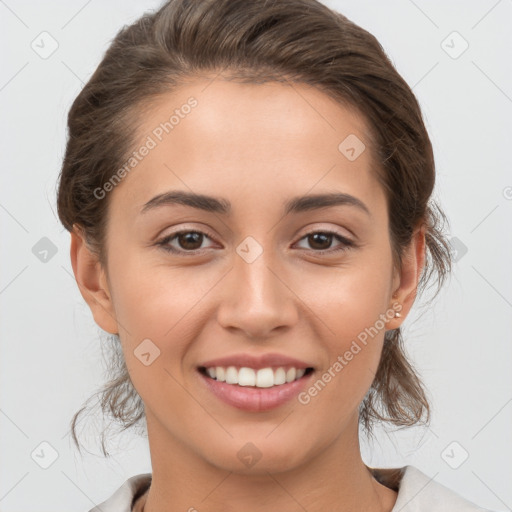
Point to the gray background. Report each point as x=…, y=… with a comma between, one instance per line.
x=51, y=354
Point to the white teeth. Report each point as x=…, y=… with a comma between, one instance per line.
x=262, y=378
x=232, y=375
x=279, y=377
x=220, y=374
x=265, y=378
x=246, y=377
x=291, y=374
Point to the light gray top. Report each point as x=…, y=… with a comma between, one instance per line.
x=417, y=492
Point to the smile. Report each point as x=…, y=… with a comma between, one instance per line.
x=262, y=378
x=252, y=389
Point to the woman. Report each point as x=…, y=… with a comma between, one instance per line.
x=248, y=190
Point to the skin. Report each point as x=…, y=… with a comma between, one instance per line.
x=256, y=145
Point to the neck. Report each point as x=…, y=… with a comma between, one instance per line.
x=335, y=479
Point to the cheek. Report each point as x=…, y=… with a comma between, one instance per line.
x=155, y=323
x=158, y=310
x=348, y=299
x=350, y=307
x=353, y=344
x=151, y=300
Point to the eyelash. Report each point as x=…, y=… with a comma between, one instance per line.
x=347, y=244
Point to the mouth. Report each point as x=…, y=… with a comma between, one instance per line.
x=268, y=377
x=255, y=390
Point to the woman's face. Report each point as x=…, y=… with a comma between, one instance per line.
x=258, y=271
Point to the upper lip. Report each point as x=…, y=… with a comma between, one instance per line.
x=256, y=362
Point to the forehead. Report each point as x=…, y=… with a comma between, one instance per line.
x=257, y=142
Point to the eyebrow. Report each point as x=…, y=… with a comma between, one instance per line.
x=223, y=206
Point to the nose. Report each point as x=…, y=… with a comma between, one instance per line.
x=257, y=300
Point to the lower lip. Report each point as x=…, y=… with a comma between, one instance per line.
x=255, y=399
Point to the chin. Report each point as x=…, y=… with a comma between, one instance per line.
x=258, y=457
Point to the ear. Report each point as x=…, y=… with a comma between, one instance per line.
x=92, y=281
x=412, y=266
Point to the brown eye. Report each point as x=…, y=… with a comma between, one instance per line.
x=190, y=240
x=183, y=242
x=320, y=242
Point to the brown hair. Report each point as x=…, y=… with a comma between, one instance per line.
x=256, y=41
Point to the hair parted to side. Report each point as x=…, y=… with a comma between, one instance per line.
x=257, y=41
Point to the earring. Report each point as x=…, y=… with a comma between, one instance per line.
x=397, y=314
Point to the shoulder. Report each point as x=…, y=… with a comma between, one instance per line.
x=417, y=492
x=123, y=498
